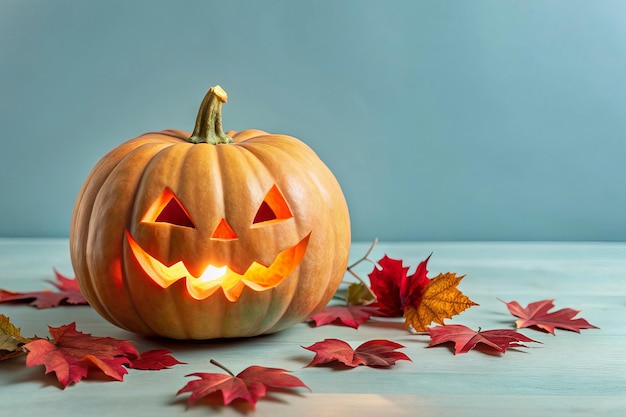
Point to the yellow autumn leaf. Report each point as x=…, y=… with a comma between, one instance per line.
x=440, y=300
x=359, y=294
x=11, y=339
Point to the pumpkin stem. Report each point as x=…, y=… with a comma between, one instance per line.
x=208, y=127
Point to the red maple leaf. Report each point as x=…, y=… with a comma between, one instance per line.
x=68, y=293
x=537, y=315
x=345, y=315
x=393, y=288
x=374, y=353
x=11, y=339
x=250, y=385
x=72, y=354
x=154, y=360
x=466, y=339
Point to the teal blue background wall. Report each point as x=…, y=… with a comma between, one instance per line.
x=442, y=120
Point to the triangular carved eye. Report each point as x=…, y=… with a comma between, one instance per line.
x=273, y=208
x=168, y=209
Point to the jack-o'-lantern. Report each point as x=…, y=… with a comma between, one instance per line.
x=209, y=234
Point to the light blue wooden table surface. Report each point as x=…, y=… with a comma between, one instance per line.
x=569, y=374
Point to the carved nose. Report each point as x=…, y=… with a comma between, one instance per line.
x=223, y=231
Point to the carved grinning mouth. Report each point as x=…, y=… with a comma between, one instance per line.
x=258, y=277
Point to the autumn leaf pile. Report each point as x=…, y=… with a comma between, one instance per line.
x=393, y=292
x=417, y=298
x=420, y=300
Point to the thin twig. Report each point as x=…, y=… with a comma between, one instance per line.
x=364, y=258
x=358, y=277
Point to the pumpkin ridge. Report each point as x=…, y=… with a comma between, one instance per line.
x=109, y=177
x=139, y=150
x=126, y=248
x=176, y=177
x=261, y=151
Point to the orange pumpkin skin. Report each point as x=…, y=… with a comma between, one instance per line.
x=220, y=189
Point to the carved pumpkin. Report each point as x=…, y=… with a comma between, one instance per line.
x=198, y=236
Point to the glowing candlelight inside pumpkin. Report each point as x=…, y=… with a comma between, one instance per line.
x=257, y=277
x=211, y=273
